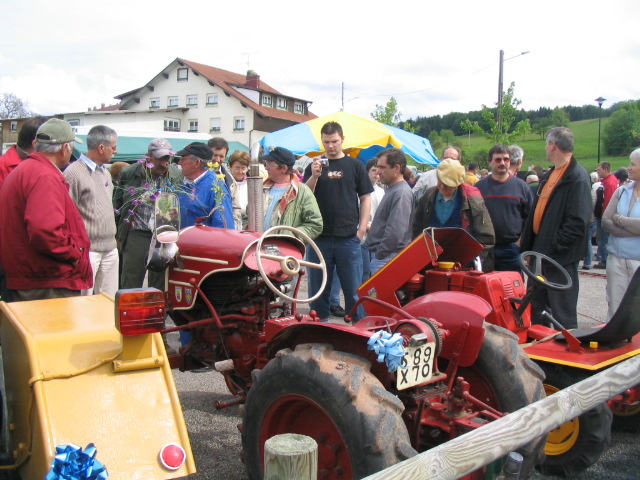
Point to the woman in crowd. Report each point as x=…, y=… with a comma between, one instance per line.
x=239, y=165
x=622, y=220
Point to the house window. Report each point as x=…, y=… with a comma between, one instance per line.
x=212, y=99
x=171, y=125
x=282, y=103
x=192, y=100
x=238, y=124
x=297, y=107
x=13, y=126
x=193, y=125
x=154, y=102
x=214, y=124
x=74, y=122
x=267, y=100
x=172, y=101
x=183, y=74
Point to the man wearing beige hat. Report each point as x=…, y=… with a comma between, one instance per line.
x=134, y=203
x=453, y=203
x=44, y=247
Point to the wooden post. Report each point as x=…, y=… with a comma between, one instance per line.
x=290, y=457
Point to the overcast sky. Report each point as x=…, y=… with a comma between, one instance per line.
x=433, y=57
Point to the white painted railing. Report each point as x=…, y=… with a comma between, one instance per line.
x=480, y=447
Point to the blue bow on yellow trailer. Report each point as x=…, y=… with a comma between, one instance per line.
x=363, y=138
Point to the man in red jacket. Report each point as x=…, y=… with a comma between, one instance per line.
x=609, y=184
x=44, y=247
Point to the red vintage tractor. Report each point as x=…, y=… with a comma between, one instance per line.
x=431, y=265
x=233, y=291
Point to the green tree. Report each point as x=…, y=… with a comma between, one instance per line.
x=447, y=136
x=542, y=126
x=503, y=131
x=387, y=114
x=559, y=117
x=622, y=132
x=435, y=140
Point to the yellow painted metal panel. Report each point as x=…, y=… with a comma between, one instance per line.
x=129, y=416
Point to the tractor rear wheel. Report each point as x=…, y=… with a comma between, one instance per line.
x=576, y=445
x=506, y=379
x=333, y=398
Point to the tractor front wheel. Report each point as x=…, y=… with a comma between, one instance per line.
x=505, y=378
x=333, y=398
x=576, y=445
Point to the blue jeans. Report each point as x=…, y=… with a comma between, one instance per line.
x=506, y=258
x=334, y=298
x=603, y=239
x=376, y=264
x=345, y=256
x=366, y=268
x=591, y=230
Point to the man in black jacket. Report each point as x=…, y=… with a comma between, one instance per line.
x=557, y=226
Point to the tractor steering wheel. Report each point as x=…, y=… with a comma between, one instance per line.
x=290, y=265
x=536, y=273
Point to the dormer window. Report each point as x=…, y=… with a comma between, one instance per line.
x=298, y=107
x=267, y=100
x=282, y=103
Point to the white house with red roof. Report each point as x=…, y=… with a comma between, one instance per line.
x=186, y=96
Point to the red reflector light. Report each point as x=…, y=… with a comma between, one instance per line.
x=172, y=456
x=139, y=311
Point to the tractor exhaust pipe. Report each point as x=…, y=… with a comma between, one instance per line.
x=255, y=207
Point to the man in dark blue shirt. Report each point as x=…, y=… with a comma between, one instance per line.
x=509, y=202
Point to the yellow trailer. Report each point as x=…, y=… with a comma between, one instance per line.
x=75, y=373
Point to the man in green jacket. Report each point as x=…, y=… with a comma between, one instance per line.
x=134, y=204
x=287, y=201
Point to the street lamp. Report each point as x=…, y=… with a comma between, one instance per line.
x=502, y=60
x=600, y=101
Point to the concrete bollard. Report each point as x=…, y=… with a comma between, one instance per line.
x=290, y=457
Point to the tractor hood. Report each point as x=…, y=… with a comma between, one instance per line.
x=456, y=243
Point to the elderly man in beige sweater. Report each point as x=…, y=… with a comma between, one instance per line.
x=91, y=189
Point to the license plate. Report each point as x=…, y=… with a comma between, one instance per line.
x=417, y=366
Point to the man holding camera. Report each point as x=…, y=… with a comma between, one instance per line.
x=342, y=189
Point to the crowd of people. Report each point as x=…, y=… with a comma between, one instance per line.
x=79, y=228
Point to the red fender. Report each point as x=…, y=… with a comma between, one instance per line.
x=462, y=314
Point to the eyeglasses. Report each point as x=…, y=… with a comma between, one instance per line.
x=501, y=159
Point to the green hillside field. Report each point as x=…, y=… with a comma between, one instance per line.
x=585, y=148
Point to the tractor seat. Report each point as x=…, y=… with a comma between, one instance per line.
x=624, y=324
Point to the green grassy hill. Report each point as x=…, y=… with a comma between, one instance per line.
x=585, y=148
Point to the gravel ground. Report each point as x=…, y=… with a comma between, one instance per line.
x=216, y=440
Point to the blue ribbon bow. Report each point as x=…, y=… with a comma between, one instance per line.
x=388, y=347
x=71, y=463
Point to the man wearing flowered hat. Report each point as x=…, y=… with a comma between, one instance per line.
x=134, y=203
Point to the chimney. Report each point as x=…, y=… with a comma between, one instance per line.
x=253, y=79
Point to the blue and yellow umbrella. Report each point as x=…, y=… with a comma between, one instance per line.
x=363, y=138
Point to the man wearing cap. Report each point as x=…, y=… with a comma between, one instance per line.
x=91, y=189
x=453, y=203
x=391, y=227
x=44, y=247
x=430, y=179
x=202, y=191
x=134, y=203
x=287, y=201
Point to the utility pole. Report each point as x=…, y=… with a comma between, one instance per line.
x=342, y=108
x=500, y=88
x=600, y=101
